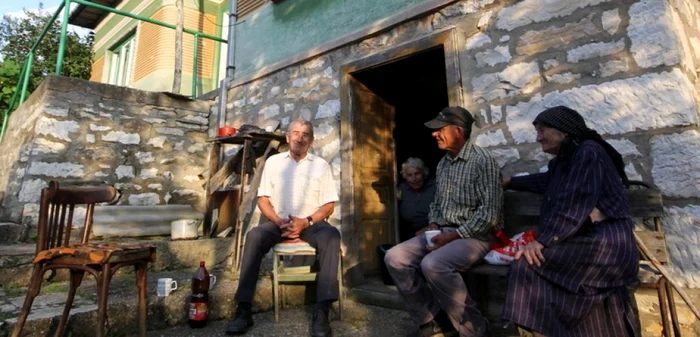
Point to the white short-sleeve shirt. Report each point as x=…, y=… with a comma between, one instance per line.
x=297, y=188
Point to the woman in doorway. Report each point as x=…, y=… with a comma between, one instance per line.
x=415, y=196
x=572, y=281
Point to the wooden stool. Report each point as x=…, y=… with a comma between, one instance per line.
x=281, y=274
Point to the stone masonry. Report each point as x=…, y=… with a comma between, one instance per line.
x=630, y=67
x=151, y=146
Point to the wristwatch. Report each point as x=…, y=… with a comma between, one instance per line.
x=311, y=220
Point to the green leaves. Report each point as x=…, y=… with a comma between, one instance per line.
x=18, y=35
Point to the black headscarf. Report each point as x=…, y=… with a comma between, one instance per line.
x=571, y=122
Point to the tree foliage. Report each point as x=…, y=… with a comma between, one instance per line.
x=19, y=34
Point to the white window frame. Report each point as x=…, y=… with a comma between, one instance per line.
x=223, y=49
x=121, y=62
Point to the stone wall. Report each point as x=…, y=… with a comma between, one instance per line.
x=627, y=66
x=149, y=145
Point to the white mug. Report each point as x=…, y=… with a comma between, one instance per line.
x=212, y=281
x=429, y=235
x=165, y=286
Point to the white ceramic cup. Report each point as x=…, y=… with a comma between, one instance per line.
x=212, y=281
x=165, y=286
x=429, y=235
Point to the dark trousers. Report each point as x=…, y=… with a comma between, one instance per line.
x=322, y=236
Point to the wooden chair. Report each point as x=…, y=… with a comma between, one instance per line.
x=649, y=205
x=282, y=274
x=102, y=260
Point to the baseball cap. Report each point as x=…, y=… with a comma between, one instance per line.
x=451, y=115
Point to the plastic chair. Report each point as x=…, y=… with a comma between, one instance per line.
x=282, y=274
x=102, y=260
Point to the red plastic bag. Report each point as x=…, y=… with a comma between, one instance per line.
x=504, y=252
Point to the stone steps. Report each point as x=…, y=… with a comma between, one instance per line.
x=16, y=266
x=163, y=312
x=121, y=221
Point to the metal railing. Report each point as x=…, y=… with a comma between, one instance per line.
x=25, y=74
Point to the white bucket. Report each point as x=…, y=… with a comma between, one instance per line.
x=184, y=229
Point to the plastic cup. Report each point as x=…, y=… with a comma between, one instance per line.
x=429, y=236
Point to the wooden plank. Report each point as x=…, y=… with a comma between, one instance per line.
x=656, y=243
x=210, y=202
x=217, y=179
x=522, y=203
x=645, y=203
x=489, y=269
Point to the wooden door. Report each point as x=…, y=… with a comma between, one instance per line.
x=373, y=173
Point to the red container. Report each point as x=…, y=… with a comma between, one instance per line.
x=226, y=131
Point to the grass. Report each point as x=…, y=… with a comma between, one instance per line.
x=6, y=315
x=52, y=288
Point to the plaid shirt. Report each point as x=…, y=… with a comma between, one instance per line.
x=469, y=194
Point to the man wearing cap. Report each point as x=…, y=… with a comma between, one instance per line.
x=467, y=210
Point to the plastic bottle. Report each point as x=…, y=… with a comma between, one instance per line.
x=199, y=299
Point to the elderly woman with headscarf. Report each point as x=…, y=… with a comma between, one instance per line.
x=572, y=280
x=415, y=196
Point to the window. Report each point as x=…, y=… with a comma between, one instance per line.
x=121, y=62
x=246, y=6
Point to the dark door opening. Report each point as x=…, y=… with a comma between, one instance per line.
x=417, y=88
x=390, y=103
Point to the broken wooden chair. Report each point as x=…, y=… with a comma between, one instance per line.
x=650, y=206
x=54, y=251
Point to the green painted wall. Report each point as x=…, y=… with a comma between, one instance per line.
x=275, y=32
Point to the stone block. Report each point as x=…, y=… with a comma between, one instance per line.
x=492, y=57
x=488, y=138
x=592, y=50
x=651, y=101
x=652, y=32
x=676, y=159
x=530, y=11
x=611, y=21
x=11, y=232
x=537, y=41
x=515, y=79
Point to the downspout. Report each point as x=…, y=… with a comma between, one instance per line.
x=230, y=62
x=232, y=19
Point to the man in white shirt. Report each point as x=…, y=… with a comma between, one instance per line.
x=297, y=193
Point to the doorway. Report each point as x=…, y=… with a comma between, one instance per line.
x=389, y=97
x=416, y=87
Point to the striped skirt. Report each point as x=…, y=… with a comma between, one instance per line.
x=580, y=290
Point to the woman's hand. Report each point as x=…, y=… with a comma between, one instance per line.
x=532, y=252
x=506, y=182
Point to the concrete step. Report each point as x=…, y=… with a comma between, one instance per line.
x=121, y=221
x=16, y=260
x=163, y=312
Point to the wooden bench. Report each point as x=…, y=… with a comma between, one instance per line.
x=521, y=212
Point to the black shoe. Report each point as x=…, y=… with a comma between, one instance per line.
x=241, y=322
x=320, y=327
x=433, y=329
x=445, y=325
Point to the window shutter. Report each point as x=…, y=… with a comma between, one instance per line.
x=247, y=6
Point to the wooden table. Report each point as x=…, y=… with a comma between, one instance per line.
x=217, y=172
